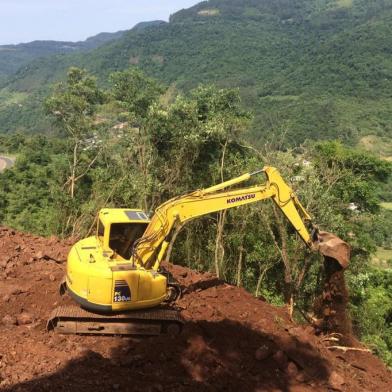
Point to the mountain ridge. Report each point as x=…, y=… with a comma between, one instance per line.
x=310, y=69
x=25, y=52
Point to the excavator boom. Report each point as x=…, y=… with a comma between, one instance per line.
x=149, y=251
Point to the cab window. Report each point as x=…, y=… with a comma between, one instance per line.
x=123, y=236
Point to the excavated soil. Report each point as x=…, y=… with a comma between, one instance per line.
x=331, y=306
x=231, y=341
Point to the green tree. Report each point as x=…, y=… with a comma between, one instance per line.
x=31, y=197
x=371, y=303
x=73, y=107
x=135, y=91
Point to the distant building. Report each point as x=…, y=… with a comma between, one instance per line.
x=297, y=179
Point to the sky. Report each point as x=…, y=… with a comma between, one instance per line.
x=76, y=20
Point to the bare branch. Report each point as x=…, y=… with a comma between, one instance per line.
x=88, y=168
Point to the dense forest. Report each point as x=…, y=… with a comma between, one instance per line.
x=307, y=69
x=136, y=143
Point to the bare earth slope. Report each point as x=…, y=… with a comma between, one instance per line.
x=231, y=342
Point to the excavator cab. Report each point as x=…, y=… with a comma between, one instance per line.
x=118, y=229
x=100, y=275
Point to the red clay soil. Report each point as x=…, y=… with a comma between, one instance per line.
x=331, y=307
x=231, y=341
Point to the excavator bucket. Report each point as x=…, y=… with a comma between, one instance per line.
x=332, y=247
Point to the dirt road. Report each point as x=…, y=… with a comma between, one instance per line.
x=6, y=163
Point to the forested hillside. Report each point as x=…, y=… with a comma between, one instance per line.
x=134, y=145
x=309, y=69
x=224, y=88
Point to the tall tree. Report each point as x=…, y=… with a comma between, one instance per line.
x=73, y=107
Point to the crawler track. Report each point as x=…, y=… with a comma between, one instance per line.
x=75, y=320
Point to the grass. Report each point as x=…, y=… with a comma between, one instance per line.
x=386, y=205
x=344, y=3
x=11, y=98
x=381, y=146
x=380, y=259
x=280, y=98
x=209, y=12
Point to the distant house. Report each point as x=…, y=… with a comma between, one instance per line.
x=297, y=179
x=353, y=207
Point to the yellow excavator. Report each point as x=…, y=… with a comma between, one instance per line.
x=116, y=276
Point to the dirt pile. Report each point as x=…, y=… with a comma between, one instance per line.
x=332, y=306
x=17, y=249
x=231, y=342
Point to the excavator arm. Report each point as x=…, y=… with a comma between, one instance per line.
x=150, y=249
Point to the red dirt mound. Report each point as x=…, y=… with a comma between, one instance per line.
x=231, y=341
x=332, y=305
